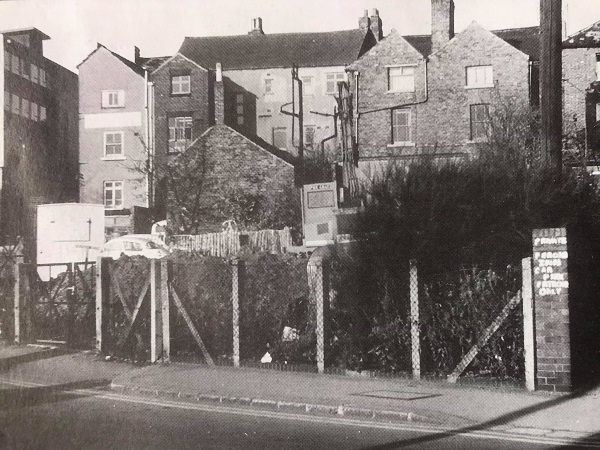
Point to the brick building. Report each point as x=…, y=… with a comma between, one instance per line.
x=581, y=88
x=433, y=94
x=38, y=132
x=227, y=162
x=113, y=137
x=258, y=80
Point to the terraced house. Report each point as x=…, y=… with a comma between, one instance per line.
x=432, y=94
x=38, y=132
x=258, y=85
x=114, y=136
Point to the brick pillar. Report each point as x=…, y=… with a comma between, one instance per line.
x=551, y=293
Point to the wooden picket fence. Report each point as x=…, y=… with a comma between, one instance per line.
x=228, y=243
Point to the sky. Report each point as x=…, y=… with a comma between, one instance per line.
x=159, y=26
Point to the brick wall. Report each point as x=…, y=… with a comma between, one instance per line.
x=198, y=104
x=440, y=119
x=579, y=71
x=235, y=162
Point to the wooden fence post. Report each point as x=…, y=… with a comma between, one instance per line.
x=414, y=321
x=17, y=304
x=236, y=279
x=165, y=303
x=528, y=325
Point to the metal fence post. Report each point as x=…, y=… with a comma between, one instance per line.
x=101, y=294
x=528, y=325
x=155, y=311
x=236, y=274
x=165, y=304
x=316, y=286
x=414, y=320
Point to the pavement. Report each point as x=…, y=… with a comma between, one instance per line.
x=454, y=407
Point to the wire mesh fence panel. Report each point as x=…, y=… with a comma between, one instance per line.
x=201, y=313
x=457, y=308
x=127, y=316
x=368, y=320
x=276, y=316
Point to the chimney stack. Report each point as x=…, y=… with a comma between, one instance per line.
x=256, y=27
x=442, y=23
x=376, y=24
x=136, y=55
x=219, y=96
x=364, y=22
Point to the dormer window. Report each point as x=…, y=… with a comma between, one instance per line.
x=111, y=99
x=401, y=79
x=480, y=77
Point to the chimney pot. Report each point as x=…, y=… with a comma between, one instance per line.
x=256, y=27
x=376, y=24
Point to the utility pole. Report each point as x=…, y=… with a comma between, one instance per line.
x=551, y=85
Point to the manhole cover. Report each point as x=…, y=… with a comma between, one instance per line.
x=398, y=395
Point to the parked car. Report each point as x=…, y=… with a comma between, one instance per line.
x=134, y=245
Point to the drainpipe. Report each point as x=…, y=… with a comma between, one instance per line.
x=146, y=139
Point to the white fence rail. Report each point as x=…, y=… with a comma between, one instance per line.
x=230, y=242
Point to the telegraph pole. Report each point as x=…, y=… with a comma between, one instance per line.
x=551, y=85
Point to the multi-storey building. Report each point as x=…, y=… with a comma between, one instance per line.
x=38, y=132
x=258, y=84
x=113, y=137
x=433, y=94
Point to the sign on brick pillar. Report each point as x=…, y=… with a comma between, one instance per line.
x=551, y=293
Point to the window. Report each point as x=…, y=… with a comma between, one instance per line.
x=7, y=61
x=25, y=108
x=239, y=108
x=332, y=81
x=308, y=87
x=280, y=138
x=113, y=194
x=180, y=133
x=113, y=144
x=44, y=78
x=34, y=111
x=401, y=79
x=480, y=119
x=35, y=74
x=309, y=137
x=16, y=64
x=6, y=101
x=180, y=84
x=25, y=69
x=16, y=103
x=268, y=86
x=42, y=113
x=110, y=99
x=480, y=76
x=401, y=126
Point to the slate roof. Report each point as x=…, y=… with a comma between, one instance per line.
x=154, y=63
x=336, y=48
x=526, y=40
x=587, y=38
x=133, y=66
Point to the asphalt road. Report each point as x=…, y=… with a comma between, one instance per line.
x=37, y=417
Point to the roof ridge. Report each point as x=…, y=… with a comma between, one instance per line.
x=274, y=34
